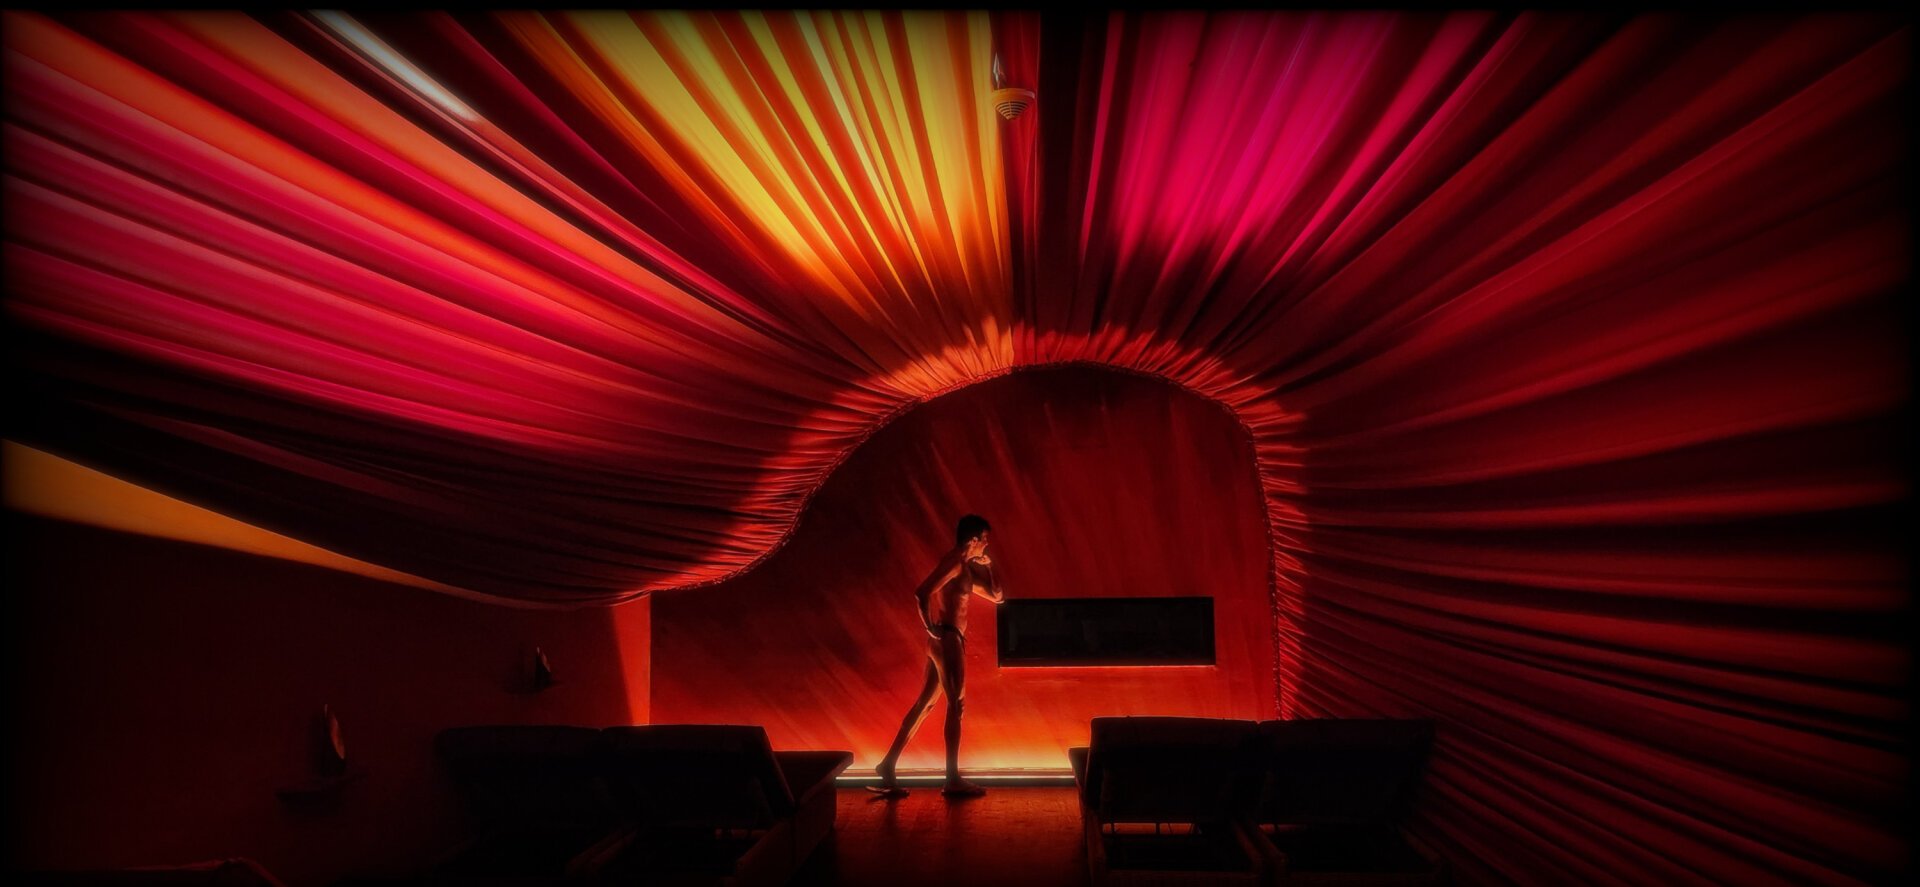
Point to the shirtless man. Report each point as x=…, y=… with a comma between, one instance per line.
x=963, y=570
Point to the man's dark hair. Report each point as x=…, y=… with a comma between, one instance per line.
x=970, y=526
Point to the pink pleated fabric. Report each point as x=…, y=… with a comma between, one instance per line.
x=1571, y=348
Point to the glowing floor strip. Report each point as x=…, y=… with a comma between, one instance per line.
x=994, y=777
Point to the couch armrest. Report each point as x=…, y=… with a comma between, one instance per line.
x=809, y=772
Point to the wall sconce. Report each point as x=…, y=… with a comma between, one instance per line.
x=329, y=746
x=327, y=756
x=537, y=673
x=1010, y=101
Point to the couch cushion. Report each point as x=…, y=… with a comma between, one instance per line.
x=1167, y=769
x=1334, y=770
x=698, y=775
x=544, y=775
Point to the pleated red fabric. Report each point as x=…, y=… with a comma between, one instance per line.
x=1571, y=347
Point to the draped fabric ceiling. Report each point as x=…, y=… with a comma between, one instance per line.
x=1568, y=345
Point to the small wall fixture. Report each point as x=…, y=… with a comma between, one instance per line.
x=1009, y=101
x=532, y=672
x=329, y=747
x=540, y=671
x=329, y=765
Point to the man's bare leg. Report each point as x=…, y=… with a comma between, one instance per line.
x=908, y=725
x=953, y=682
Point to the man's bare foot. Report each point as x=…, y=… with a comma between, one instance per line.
x=960, y=788
x=888, y=787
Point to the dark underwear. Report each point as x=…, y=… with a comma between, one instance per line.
x=942, y=626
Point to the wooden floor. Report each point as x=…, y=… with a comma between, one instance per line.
x=1015, y=836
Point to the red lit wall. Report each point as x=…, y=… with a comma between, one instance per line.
x=1098, y=484
x=161, y=692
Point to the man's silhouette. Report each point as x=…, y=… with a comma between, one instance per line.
x=963, y=571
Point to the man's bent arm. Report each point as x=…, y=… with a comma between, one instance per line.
x=990, y=588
